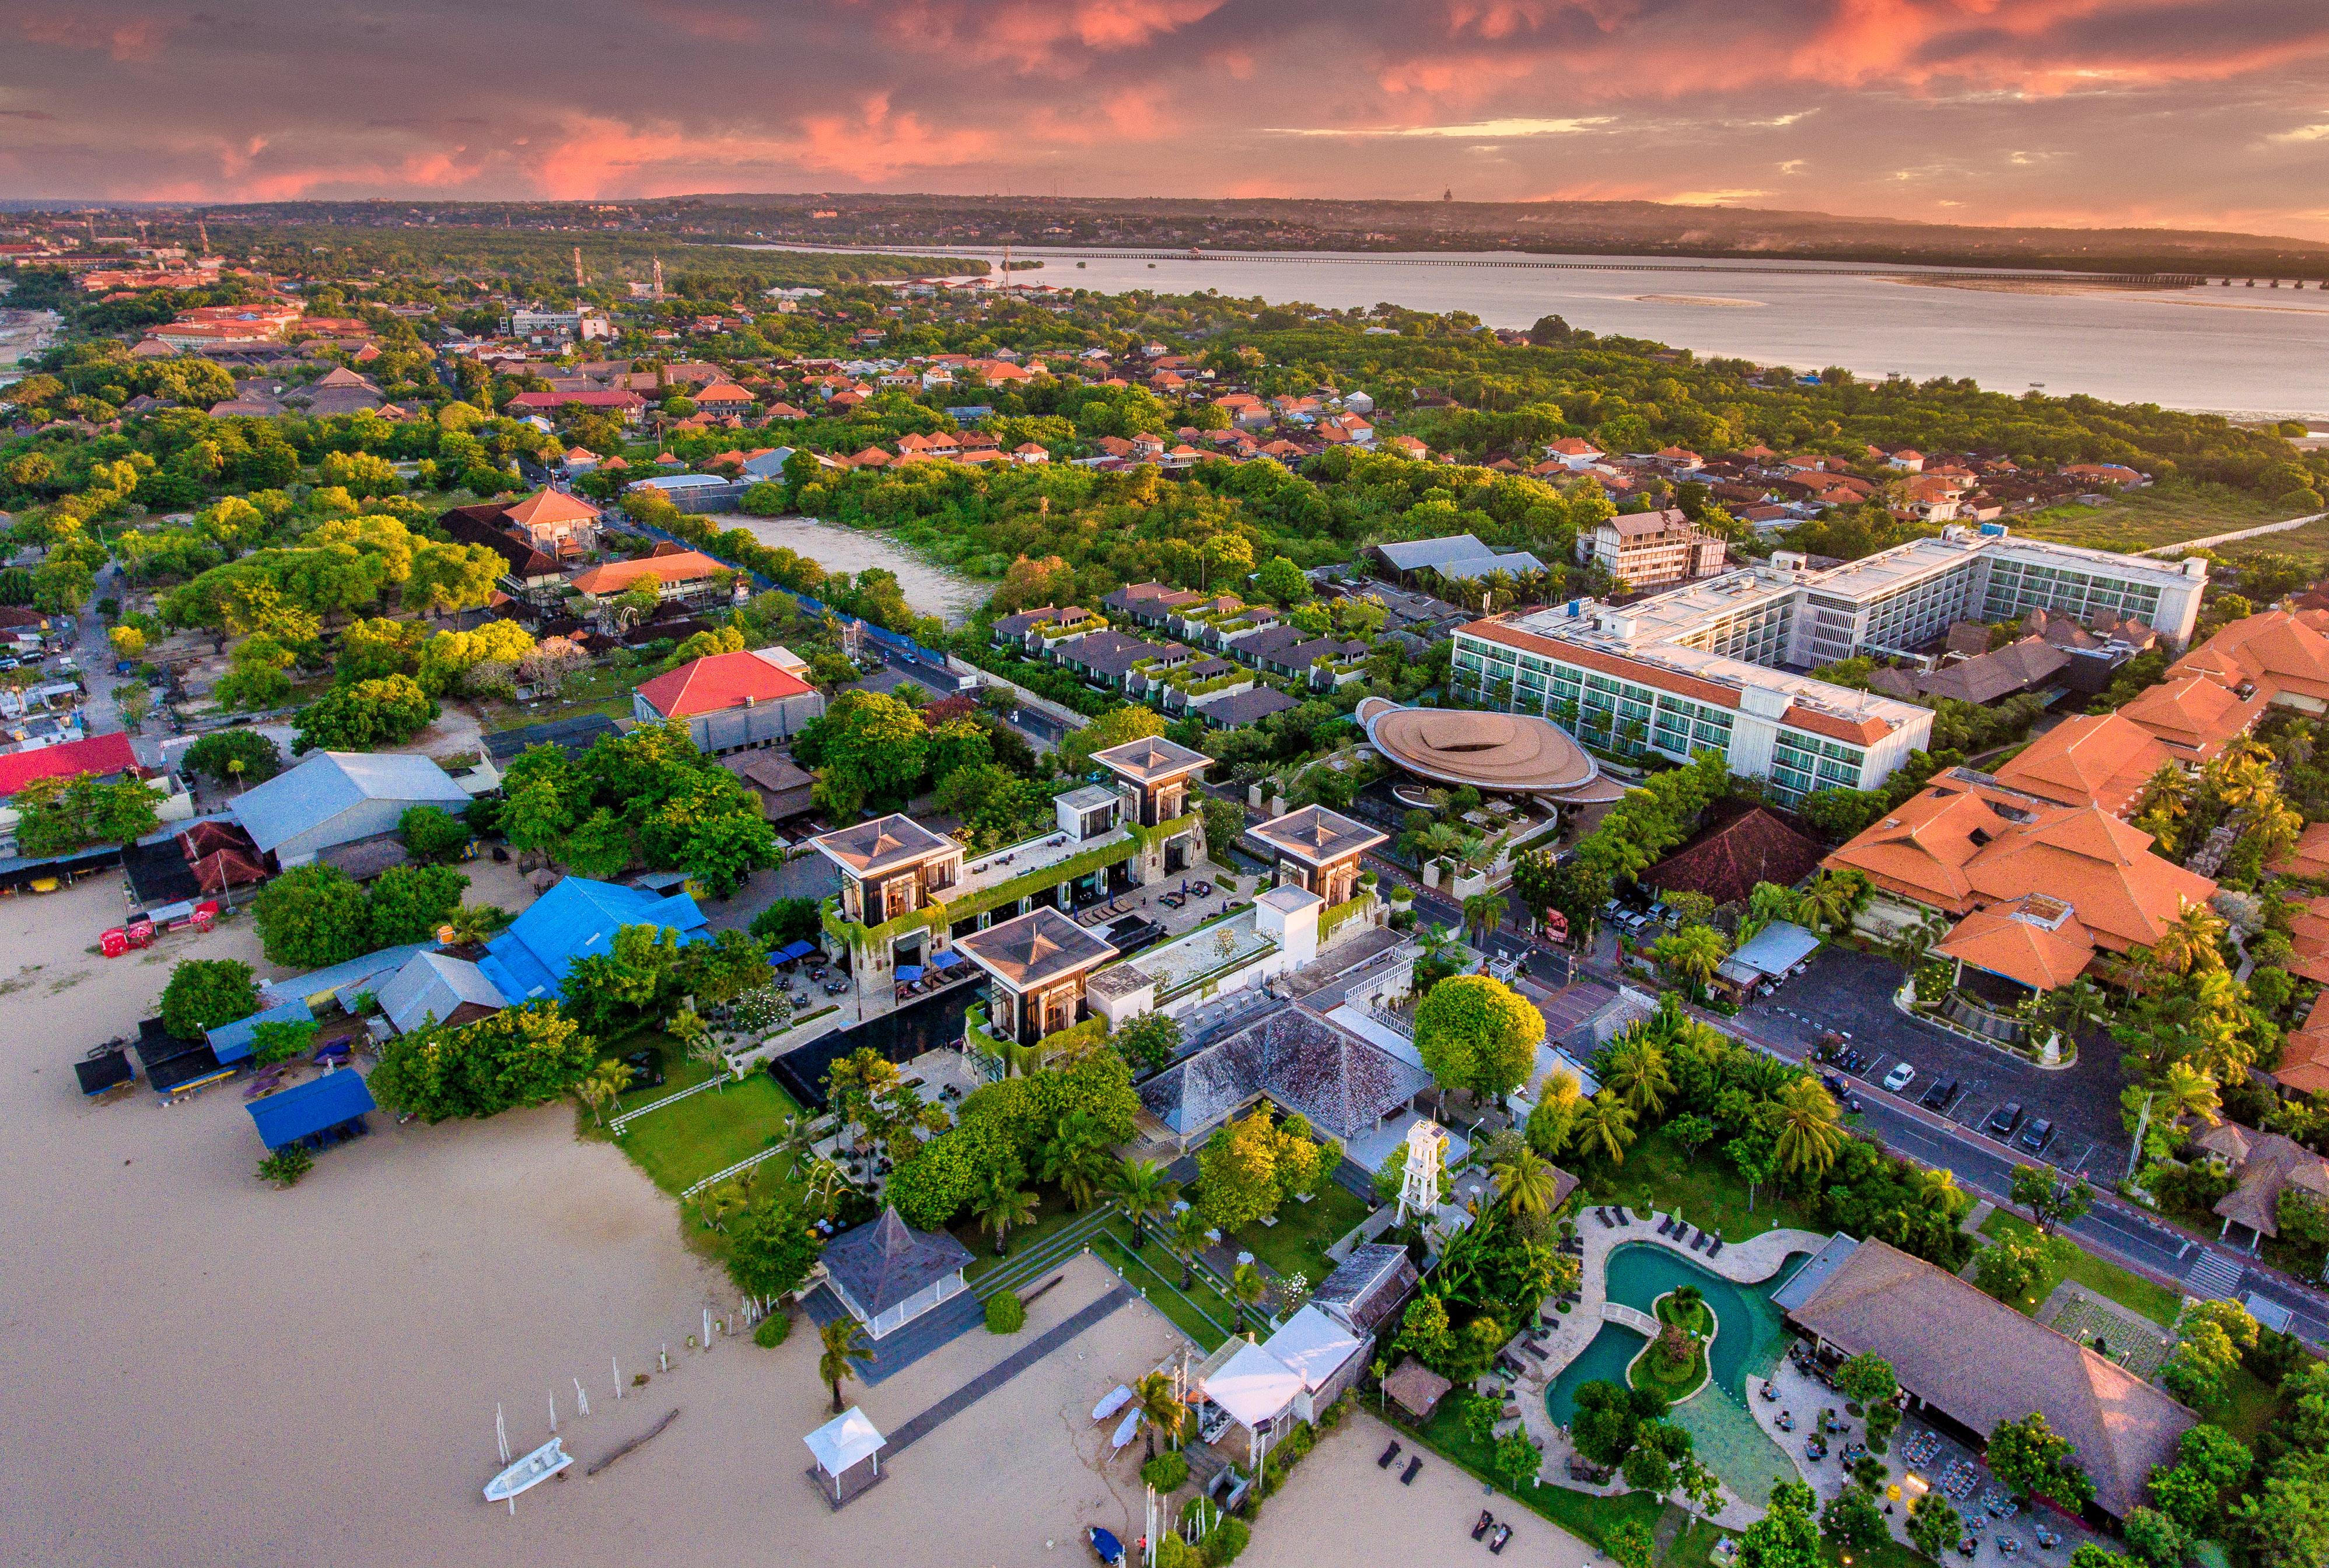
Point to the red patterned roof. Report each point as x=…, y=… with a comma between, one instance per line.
x=721, y=681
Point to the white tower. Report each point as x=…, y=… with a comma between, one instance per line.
x=1426, y=1151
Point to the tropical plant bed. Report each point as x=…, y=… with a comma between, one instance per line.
x=1702, y=1189
x=1676, y=1380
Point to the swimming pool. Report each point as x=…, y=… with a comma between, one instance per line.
x=1751, y=1337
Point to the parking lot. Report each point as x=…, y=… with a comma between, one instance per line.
x=1852, y=993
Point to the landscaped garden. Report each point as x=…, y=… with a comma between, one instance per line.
x=1298, y=1242
x=2066, y=1261
x=1673, y=1363
x=705, y=1133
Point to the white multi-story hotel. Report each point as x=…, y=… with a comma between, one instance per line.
x=1712, y=665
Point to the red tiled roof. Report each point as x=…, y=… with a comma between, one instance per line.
x=721, y=681
x=99, y=754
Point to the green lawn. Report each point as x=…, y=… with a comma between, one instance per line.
x=1298, y=1242
x=2147, y=519
x=1652, y=1371
x=2248, y=1407
x=1201, y=1312
x=681, y=1144
x=1705, y=1190
x=2073, y=1262
x=604, y=689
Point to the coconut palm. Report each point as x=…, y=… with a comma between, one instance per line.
x=1000, y=1204
x=2182, y=1089
x=1527, y=1180
x=472, y=923
x=1081, y=1166
x=1247, y=1288
x=1807, y=1133
x=1189, y=1234
x=1692, y=955
x=603, y=1086
x=1161, y=1403
x=845, y=1342
x=1832, y=899
x=1638, y=1074
x=721, y=1204
x=1604, y=1125
x=1483, y=913
x=1143, y=1190
x=2189, y=941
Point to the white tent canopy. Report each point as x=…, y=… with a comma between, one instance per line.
x=1312, y=1346
x=1253, y=1385
x=848, y=1438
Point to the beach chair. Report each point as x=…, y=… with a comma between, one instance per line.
x=1388, y=1455
x=1406, y=1477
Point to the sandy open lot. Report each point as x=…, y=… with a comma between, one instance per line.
x=203, y=1370
x=1338, y=1509
x=931, y=589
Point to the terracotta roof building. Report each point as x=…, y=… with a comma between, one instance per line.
x=680, y=574
x=1741, y=848
x=1975, y=1361
x=2265, y=1165
x=2106, y=759
x=1966, y=843
x=730, y=702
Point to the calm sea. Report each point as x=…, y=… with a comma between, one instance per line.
x=2251, y=352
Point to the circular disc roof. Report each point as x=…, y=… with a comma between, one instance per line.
x=1507, y=753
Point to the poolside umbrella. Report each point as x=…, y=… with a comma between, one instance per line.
x=945, y=960
x=908, y=973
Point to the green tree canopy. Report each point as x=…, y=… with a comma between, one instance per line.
x=206, y=992
x=1477, y=1034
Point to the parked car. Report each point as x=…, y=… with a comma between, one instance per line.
x=1937, y=1096
x=1899, y=1077
x=2037, y=1135
x=2005, y=1120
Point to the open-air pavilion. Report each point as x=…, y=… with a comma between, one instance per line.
x=848, y=1454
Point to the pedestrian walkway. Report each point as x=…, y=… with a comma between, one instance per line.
x=2213, y=1277
x=921, y=1426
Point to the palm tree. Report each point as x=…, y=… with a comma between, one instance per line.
x=1077, y=1157
x=998, y=1205
x=2182, y=1089
x=1687, y=1300
x=472, y=923
x=1154, y=1394
x=1832, y=899
x=1807, y=1133
x=1692, y=955
x=721, y=1204
x=1604, y=1124
x=2189, y=941
x=845, y=1342
x=1246, y=1289
x=1638, y=1075
x=1142, y=1189
x=1527, y=1180
x=1189, y=1234
x=603, y=1086
x=1483, y=913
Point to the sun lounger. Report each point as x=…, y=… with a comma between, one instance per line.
x=1715, y=1248
x=1414, y=1469
x=1388, y=1455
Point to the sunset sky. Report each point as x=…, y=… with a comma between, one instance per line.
x=2190, y=113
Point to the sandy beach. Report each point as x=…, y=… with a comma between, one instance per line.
x=205, y=1370
x=1337, y=1509
x=931, y=588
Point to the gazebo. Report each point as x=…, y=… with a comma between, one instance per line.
x=848, y=1450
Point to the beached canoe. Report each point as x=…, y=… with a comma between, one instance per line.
x=529, y=1471
x=1117, y=1398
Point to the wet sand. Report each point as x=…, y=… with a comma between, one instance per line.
x=931, y=589
x=202, y=1369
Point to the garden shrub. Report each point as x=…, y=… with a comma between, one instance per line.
x=286, y=1165
x=1224, y=1541
x=772, y=1330
x=1167, y=1472
x=1005, y=1312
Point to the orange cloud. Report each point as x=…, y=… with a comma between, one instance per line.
x=1043, y=34
x=139, y=39
x=879, y=144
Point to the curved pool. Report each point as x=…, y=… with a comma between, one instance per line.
x=1751, y=1337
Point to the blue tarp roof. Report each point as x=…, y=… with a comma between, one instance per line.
x=576, y=919
x=315, y=1106
x=791, y=950
x=231, y=1042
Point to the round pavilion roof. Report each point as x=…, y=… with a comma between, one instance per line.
x=1498, y=753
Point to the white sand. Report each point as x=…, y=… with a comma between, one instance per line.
x=200, y=1369
x=1338, y=1509
x=931, y=589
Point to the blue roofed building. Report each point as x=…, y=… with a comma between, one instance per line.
x=576, y=919
x=334, y=1102
x=232, y=1042
x=336, y=797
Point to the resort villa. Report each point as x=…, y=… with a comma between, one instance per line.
x=1037, y=964
x=1318, y=850
x=910, y=895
